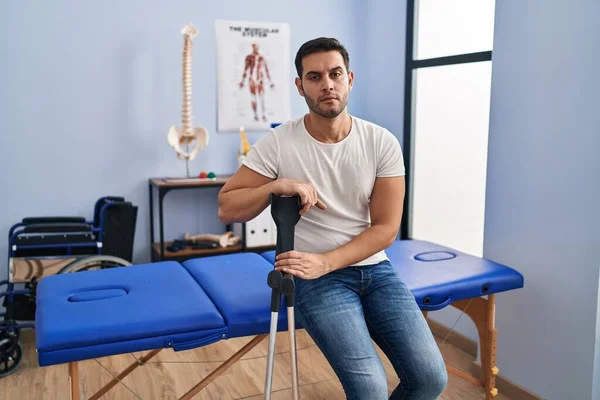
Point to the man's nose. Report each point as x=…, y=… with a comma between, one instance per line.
x=327, y=84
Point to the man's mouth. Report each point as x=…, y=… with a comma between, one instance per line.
x=328, y=98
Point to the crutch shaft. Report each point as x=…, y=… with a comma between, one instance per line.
x=293, y=353
x=271, y=355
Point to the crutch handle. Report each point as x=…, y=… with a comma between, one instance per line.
x=285, y=211
x=282, y=284
x=274, y=280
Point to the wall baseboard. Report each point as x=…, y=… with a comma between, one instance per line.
x=466, y=344
x=507, y=387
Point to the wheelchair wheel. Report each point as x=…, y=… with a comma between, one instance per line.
x=93, y=263
x=11, y=353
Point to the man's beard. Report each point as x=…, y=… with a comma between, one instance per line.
x=330, y=112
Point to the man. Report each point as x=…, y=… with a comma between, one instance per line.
x=349, y=174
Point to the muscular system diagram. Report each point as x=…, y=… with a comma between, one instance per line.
x=255, y=69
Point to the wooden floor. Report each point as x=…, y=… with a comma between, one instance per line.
x=170, y=375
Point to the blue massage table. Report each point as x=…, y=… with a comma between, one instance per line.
x=185, y=305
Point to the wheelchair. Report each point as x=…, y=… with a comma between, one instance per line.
x=46, y=245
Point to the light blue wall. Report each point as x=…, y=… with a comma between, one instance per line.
x=543, y=192
x=89, y=92
x=385, y=37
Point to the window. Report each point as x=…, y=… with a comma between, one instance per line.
x=447, y=103
x=451, y=27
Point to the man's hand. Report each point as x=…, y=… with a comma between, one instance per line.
x=306, y=191
x=303, y=265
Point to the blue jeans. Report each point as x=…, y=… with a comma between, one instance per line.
x=343, y=310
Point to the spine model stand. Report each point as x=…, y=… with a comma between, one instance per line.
x=188, y=133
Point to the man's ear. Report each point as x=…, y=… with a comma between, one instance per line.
x=298, y=83
x=350, y=79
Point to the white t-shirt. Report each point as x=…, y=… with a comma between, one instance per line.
x=343, y=173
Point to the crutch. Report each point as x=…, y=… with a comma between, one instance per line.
x=285, y=211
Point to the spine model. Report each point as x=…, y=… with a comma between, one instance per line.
x=189, y=33
x=187, y=134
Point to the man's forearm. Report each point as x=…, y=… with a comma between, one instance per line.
x=370, y=241
x=242, y=205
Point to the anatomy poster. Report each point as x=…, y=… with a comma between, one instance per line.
x=253, y=74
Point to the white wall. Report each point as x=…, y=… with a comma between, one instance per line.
x=543, y=192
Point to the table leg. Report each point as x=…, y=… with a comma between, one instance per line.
x=161, y=197
x=74, y=380
x=488, y=349
x=482, y=313
x=151, y=205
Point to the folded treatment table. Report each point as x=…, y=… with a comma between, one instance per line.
x=201, y=301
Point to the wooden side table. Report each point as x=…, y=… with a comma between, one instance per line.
x=159, y=251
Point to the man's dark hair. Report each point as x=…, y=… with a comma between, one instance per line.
x=317, y=45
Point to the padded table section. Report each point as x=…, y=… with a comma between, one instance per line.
x=237, y=285
x=438, y=275
x=113, y=311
